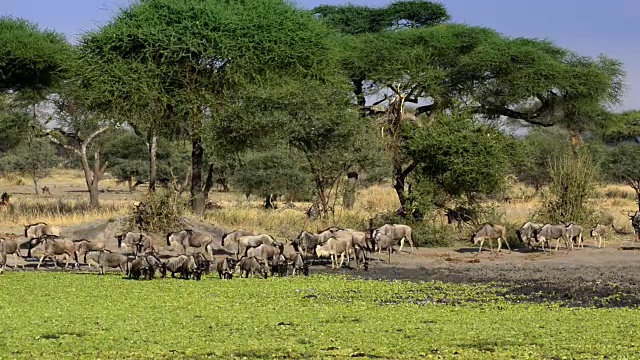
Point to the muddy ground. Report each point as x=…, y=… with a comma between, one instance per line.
x=608, y=277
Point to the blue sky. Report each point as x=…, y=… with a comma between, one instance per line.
x=589, y=27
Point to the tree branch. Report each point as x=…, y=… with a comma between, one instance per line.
x=529, y=117
x=409, y=169
x=68, y=147
x=95, y=133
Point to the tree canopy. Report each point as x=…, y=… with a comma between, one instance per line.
x=30, y=58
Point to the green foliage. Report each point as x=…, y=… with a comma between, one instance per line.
x=354, y=19
x=457, y=156
x=540, y=148
x=623, y=165
x=573, y=178
x=14, y=123
x=620, y=127
x=34, y=158
x=273, y=171
x=30, y=58
x=446, y=320
x=160, y=211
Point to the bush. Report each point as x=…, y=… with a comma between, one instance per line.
x=159, y=211
x=573, y=179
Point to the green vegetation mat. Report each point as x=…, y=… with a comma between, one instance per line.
x=62, y=315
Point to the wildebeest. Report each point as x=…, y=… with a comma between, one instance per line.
x=33, y=232
x=361, y=259
x=175, y=264
x=526, y=234
x=398, y=232
x=266, y=252
x=490, y=232
x=9, y=246
x=225, y=267
x=279, y=265
x=305, y=243
x=332, y=248
x=145, y=265
x=54, y=246
x=635, y=223
x=251, y=241
x=599, y=232
x=551, y=232
x=249, y=264
x=82, y=246
x=574, y=232
x=235, y=235
x=299, y=265
x=46, y=190
x=129, y=240
x=188, y=238
x=107, y=259
x=383, y=242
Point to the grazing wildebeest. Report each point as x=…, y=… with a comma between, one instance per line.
x=53, y=246
x=526, y=234
x=107, y=259
x=139, y=267
x=249, y=264
x=551, y=232
x=332, y=248
x=82, y=246
x=460, y=215
x=299, y=265
x=574, y=232
x=251, y=241
x=8, y=246
x=33, y=232
x=398, y=232
x=600, y=233
x=46, y=190
x=189, y=238
x=490, y=231
x=225, y=267
x=175, y=264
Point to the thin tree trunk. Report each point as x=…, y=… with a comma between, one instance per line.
x=197, y=160
x=268, y=202
x=153, y=152
x=208, y=184
x=130, y=182
x=358, y=91
x=349, y=198
x=35, y=184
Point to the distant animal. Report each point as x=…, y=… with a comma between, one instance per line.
x=361, y=259
x=139, y=267
x=599, y=232
x=175, y=264
x=225, y=268
x=139, y=243
x=384, y=242
x=265, y=252
x=4, y=201
x=635, y=223
x=250, y=265
x=9, y=246
x=46, y=190
x=33, y=232
x=490, y=232
x=251, y=241
x=461, y=215
x=398, y=232
x=191, y=239
x=107, y=259
x=82, y=246
x=573, y=233
x=53, y=246
x=526, y=234
x=551, y=232
x=279, y=265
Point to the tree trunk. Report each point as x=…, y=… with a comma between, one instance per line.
x=208, y=184
x=349, y=197
x=395, y=123
x=638, y=198
x=398, y=185
x=89, y=178
x=153, y=152
x=358, y=91
x=130, y=183
x=197, y=160
x=268, y=202
x=94, y=201
x=35, y=184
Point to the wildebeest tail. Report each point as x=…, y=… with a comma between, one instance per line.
x=168, y=237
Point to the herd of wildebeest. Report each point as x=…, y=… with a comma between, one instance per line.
x=261, y=255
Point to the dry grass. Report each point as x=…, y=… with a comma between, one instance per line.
x=69, y=206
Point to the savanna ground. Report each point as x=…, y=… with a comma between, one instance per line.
x=438, y=302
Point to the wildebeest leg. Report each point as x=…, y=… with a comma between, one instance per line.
x=507, y=243
x=480, y=249
x=499, y=243
x=342, y=259
x=66, y=263
x=401, y=245
x=558, y=244
x=40, y=262
x=15, y=259
x=389, y=251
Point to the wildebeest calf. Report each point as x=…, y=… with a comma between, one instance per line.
x=108, y=259
x=600, y=233
x=249, y=264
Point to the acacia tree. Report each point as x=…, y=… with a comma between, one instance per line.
x=193, y=56
x=34, y=158
x=446, y=67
